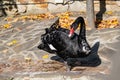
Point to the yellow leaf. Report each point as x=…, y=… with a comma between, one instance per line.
x=109, y=12
x=111, y=23
x=7, y=26
x=12, y=42
x=65, y=20
x=45, y=56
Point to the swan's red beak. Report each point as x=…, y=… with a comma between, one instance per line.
x=71, y=32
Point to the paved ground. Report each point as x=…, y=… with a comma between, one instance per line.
x=20, y=59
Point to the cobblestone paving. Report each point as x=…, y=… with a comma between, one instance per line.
x=23, y=61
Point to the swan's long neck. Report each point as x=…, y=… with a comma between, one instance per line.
x=75, y=25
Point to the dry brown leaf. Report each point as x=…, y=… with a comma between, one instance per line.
x=28, y=59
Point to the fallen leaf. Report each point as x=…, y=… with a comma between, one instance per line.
x=109, y=12
x=110, y=23
x=28, y=59
x=45, y=56
x=65, y=20
x=7, y=26
x=13, y=42
x=32, y=17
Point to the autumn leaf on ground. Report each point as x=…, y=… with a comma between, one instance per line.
x=28, y=59
x=50, y=16
x=65, y=20
x=109, y=12
x=13, y=42
x=32, y=17
x=6, y=26
x=111, y=23
x=46, y=56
